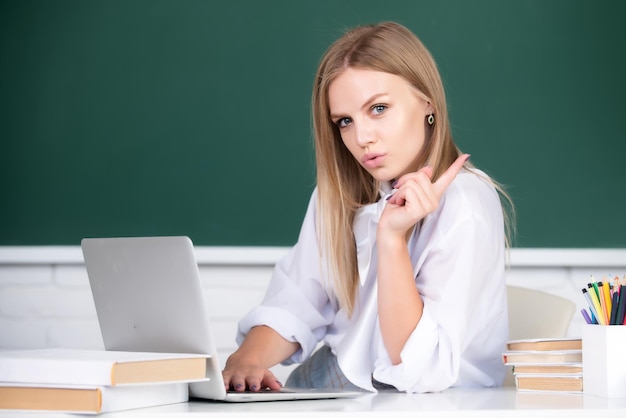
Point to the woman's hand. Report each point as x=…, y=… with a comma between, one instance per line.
x=248, y=367
x=416, y=196
x=241, y=374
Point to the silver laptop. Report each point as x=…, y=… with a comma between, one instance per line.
x=148, y=297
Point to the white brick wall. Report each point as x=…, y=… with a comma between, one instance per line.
x=45, y=299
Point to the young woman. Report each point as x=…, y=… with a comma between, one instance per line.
x=399, y=265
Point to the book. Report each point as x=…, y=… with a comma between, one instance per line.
x=542, y=344
x=549, y=382
x=564, y=368
x=89, y=399
x=99, y=367
x=542, y=357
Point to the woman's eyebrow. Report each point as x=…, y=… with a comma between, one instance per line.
x=365, y=105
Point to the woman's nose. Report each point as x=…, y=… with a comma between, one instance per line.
x=364, y=134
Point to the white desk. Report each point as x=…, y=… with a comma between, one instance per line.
x=478, y=403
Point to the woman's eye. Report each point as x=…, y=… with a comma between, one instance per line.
x=378, y=109
x=343, y=122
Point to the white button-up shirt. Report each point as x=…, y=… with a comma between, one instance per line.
x=458, y=254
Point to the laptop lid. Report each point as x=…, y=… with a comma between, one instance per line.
x=148, y=297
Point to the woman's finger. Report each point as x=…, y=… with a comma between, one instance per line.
x=449, y=175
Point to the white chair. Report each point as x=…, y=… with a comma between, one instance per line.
x=536, y=314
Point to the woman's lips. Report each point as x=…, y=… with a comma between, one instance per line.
x=372, y=160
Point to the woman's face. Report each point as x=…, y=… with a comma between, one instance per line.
x=382, y=120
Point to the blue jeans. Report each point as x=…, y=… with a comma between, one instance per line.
x=321, y=371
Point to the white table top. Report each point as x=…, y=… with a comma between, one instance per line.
x=502, y=402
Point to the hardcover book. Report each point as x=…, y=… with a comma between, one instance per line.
x=541, y=344
x=99, y=367
x=89, y=399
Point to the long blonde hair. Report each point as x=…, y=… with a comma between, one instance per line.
x=343, y=185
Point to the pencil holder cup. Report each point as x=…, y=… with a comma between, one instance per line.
x=604, y=369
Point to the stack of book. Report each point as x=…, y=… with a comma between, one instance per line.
x=551, y=365
x=94, y=381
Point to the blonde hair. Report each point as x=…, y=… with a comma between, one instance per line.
x=343, y=185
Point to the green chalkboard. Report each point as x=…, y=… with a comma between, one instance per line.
x=192, y=117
